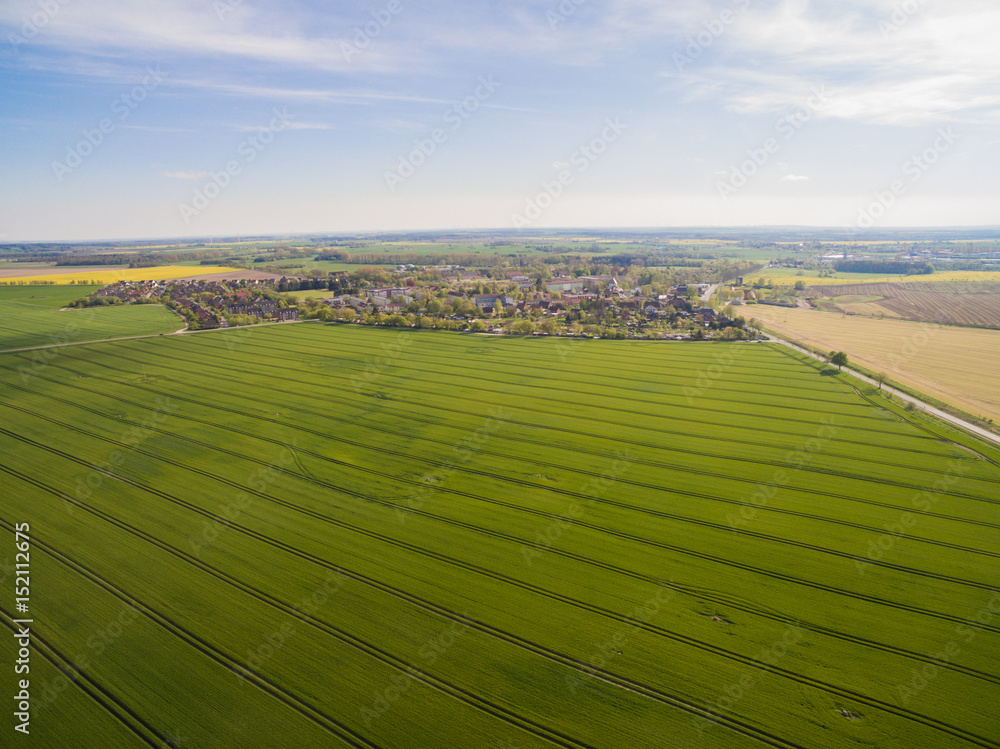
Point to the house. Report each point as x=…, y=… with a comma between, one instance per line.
x=488, y=301
x=564, y=284
x=594, y=282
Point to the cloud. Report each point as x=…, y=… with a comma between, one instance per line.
x=794, y=178
x=186, y=175
x=878, y=64
x=292, y=36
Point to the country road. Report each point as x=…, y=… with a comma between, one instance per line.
x=944, y=416
x=953, y=420
x=182, y=331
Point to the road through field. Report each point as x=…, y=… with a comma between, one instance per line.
x=567, y=544
x=956, y=365
x=954, y=420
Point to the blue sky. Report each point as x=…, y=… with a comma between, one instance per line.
x=199, y=117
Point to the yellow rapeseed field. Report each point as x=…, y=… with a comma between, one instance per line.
x=960, y=366
x=113, y=275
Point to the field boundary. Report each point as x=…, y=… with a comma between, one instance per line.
x=943, y=411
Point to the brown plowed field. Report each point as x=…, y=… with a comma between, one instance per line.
x=972, y=304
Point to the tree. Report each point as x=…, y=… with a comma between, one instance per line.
x=839, y=358
x=880, y=378
x=522, y=327
x=800, y=285
x=549, y=327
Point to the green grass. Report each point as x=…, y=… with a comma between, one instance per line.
x=484, y=519
x=34, y=316
x=309, y=294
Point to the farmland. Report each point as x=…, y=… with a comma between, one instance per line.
x=33, y=316
x=110, y=274
x=322, y=535
x=786, y=277
x=970, y=304
x=956, y=365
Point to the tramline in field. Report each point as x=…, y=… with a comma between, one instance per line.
x=316, y=535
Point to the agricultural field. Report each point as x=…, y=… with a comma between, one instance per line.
x=113, y=274
x=960, y=366
x=321, y=535
x=788, y=277
x=970, y=304
x=34, y=316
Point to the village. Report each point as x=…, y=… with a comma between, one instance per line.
x=497, y=300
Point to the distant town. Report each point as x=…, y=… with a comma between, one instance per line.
x=450, y=297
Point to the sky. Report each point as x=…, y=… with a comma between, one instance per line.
x=184, y=118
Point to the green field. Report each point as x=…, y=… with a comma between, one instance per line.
x=324, y=535
x=34, y=316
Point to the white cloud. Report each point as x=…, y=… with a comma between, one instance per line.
x=941, y=64
x=794, y=178
x=116, y=27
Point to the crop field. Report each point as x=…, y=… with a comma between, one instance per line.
x=33, y=316
x=113, y=274
x=960, y=366
x=786, y=277
x=321, y=535
x=971, y=304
